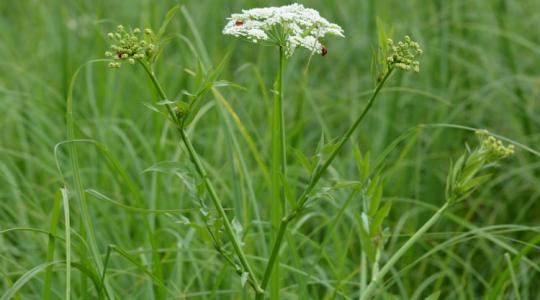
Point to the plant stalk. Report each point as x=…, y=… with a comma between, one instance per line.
x=314, y=180
x=366, y=294
x=278, y=167
x=208, y=184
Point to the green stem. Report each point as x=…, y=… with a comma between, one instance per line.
x=209, y=186
x=278, y=168
x=317, y=176
x=313, y=181
x=366, y=294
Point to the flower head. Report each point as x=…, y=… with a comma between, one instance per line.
x=130, y=46
x=492, y=148
x=289, y=26
x=403, y=54
x=464, y=177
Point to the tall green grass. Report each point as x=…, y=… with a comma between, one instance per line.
x=130, y=226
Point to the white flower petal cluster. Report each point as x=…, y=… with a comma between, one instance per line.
x=289, y=26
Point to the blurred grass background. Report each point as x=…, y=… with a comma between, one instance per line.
x=480, y=69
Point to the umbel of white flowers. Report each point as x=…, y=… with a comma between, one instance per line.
x=289, y=26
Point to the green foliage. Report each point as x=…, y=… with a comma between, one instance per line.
x=140, y=191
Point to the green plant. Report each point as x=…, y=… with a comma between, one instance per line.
x=286, y=28
x=118, y=209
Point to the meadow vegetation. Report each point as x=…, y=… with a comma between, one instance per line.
x=144, y=154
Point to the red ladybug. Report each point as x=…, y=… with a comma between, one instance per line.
x=324, y=51
x=239, y=23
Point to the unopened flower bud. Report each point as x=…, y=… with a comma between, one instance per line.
x=113, y=65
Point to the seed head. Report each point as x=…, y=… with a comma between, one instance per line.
x=403, y=55
x=289, y=26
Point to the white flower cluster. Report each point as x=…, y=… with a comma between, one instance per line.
x=289, y=26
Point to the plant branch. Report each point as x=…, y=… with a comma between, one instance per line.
x=209, y=186
x=315, y=179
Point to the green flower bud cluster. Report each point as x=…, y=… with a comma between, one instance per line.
x=130, y=46
x=493, y=148
x=403, y=55
x=464, y=177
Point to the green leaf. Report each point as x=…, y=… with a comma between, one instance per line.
x=477, y=181
x=168, y=17
x=376, y=223
x=375, y=194
x=362, y=163
x=345, y=184
x=303, y=160
x=367, y=245
x=434, y=296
